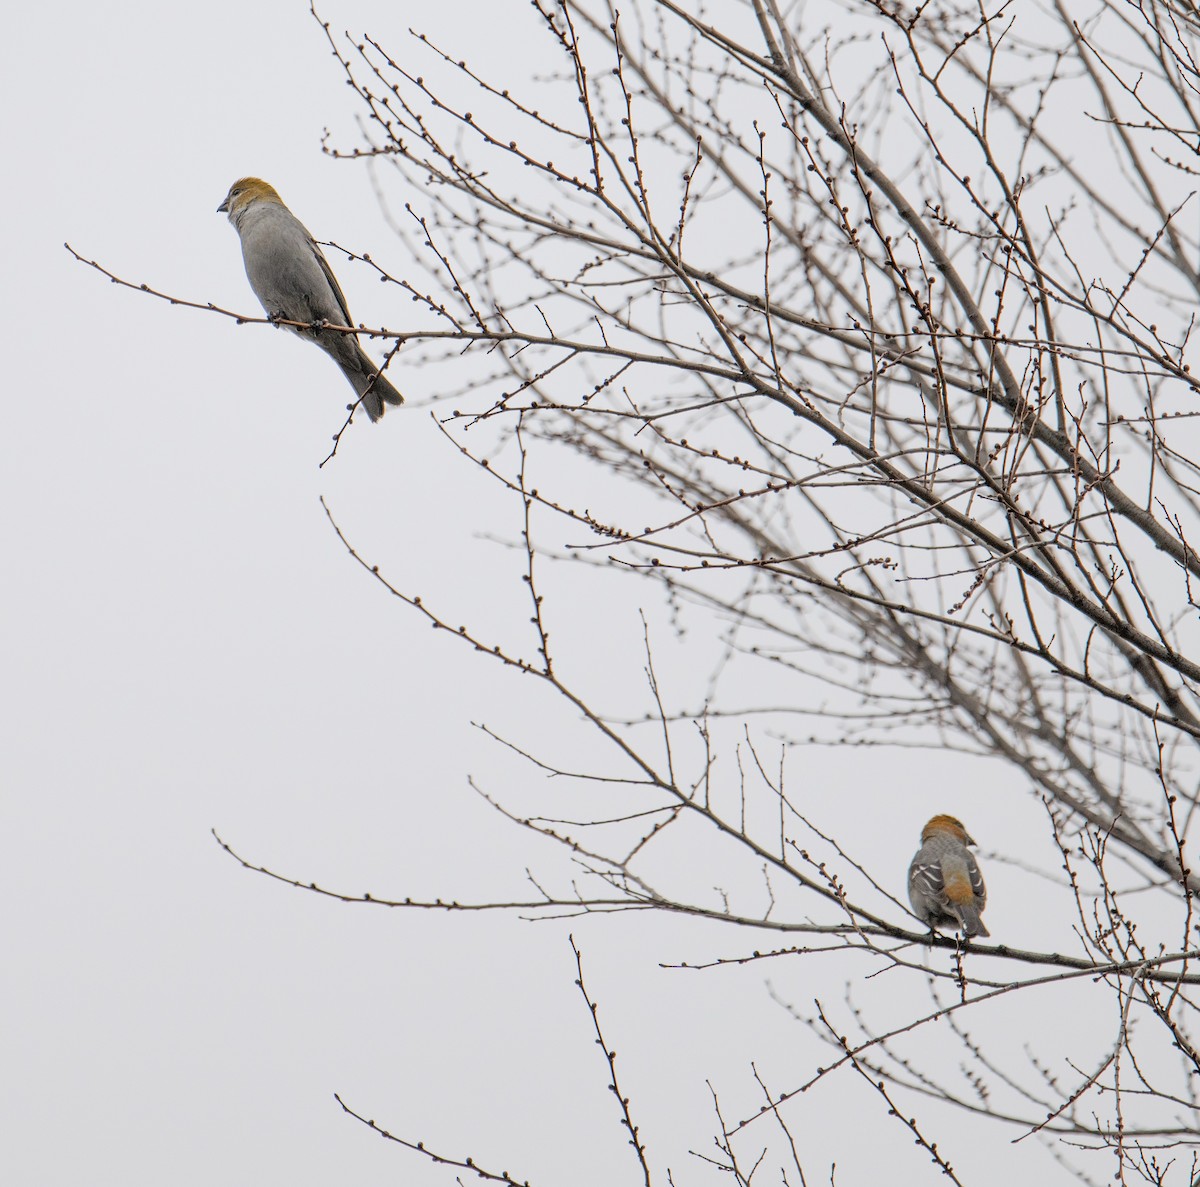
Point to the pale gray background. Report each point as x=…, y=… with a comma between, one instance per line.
x=186, y=646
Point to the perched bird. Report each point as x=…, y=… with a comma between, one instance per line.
x=293, y=280
x=944, y=882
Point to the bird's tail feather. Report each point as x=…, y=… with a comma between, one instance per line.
x=373, y=388
x=968, y=916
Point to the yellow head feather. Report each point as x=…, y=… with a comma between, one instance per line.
x=246, y=190
x=946, y=824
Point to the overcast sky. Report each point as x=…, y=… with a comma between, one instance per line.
x=187, y=647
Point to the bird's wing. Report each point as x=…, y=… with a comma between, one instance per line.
x=926, y=876
x=333, y=284
x=977, y=886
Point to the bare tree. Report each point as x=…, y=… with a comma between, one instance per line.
x=865, y=331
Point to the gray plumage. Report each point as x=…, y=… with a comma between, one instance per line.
x=292, y=279
x=945, y=885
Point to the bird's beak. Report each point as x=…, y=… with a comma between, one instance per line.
x=971, y=840
x=224, y=207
